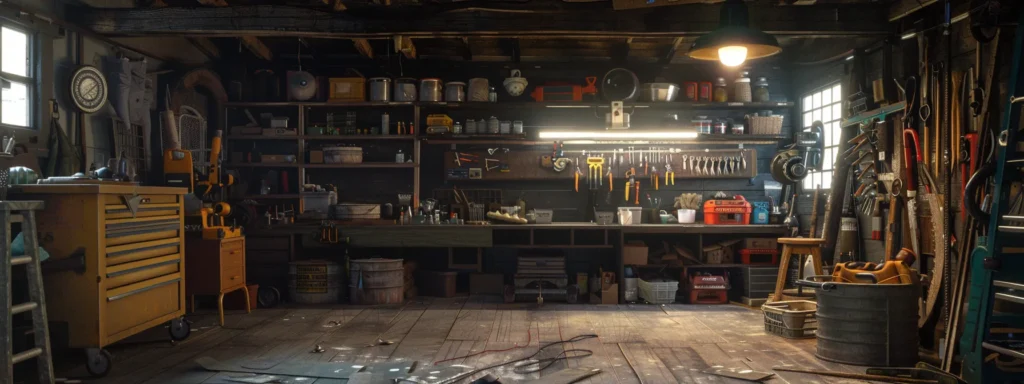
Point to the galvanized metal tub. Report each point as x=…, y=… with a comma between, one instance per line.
x=377, y=281
x=866, y=324
x=314, y=282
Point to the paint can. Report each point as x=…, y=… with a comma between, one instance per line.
x=314, y=282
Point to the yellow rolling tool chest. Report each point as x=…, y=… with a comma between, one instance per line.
x=116, y=264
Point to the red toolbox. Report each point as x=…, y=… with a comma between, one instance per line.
x=759, y=256
x=708, y=289
x=735, y=211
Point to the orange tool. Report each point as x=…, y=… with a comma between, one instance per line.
x=654, y=177
x=577, y=175
x=637, y=186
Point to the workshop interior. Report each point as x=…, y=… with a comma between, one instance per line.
x=511, y=191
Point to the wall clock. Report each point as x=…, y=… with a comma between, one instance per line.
x=88, y=89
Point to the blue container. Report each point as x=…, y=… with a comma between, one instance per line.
x=760, y=212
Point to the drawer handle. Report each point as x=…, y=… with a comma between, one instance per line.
x=143, y=268
x=144, y=289
x=235, y=277
x=146, y=200
x=234, y=252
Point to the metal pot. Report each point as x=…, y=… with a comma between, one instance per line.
x=619, y=84
x=866, y=324
x=455, y=91
x=405, y=89
x=430, y=89
x=660, y=91
x=380, y=88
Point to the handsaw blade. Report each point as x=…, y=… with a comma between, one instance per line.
x=934, y=202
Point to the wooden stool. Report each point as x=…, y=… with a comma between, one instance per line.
x=796, y=246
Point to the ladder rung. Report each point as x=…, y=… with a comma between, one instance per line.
x=1005, y=351
x=1011, y=228
x=23, y=307
x=1008, y=284
x=31, y=353
x=1009, y=297
x=1013, y=218
x=21, y=260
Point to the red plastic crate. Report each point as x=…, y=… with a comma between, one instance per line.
x=759, y=256
x=709, y=296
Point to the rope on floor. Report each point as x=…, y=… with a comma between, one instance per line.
x=533, y=366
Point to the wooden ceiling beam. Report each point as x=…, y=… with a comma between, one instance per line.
x=364, y=47
x=903, y=8
x=819, y=21
x=254, y=45
x=206, y=46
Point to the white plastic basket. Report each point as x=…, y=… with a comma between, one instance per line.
x=659, y=291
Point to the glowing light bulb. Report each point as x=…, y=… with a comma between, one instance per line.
x=732, y=56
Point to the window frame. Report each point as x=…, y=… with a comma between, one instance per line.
x=31, y=82
x=832, y=130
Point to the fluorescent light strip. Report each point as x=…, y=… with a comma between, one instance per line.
x=617, y=135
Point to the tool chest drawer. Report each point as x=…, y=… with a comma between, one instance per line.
x=231, y=277
x=131, y=241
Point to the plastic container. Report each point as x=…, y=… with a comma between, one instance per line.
x=759, y=256
x=543, y=215
x=726, y=212
x=659, y=291
x=687, y=216
x=630, y=215
x=630, y=288
x=604, y=218
x=470, y=127
x=405, y=89
x=791, y=319
x=343, y=155
x=317, y=201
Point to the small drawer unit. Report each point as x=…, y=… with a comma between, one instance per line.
x=215, y=267
x=758, y=282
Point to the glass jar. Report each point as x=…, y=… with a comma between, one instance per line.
x=761, y=94
x=721, y=93
x=457, y=129
x=741, y=90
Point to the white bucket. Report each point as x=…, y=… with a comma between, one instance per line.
x=687, y=216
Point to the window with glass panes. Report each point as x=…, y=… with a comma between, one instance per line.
x=824, y=104
x=16, y=78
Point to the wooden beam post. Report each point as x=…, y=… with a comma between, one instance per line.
x=404, y=45
x=364, y=48
x=672, y=50
x=257, y=47
x=205, y=46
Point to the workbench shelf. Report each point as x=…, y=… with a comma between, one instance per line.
x=703, y=139
x=363, y=165
x=273, y=197
x=262, y=165
x=318, y=104
x=674, y=105
x=258, y=137
x=360, y=137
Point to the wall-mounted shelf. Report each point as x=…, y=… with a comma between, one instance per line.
x=262, y=165
x=363, y=165
x=703, y=139
x=258, y=137
x=360, y=137
x=515, y=104
x=273, y=197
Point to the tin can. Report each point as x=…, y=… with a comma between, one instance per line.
x=691, y=90
x=704, y=94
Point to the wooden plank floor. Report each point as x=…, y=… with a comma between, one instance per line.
x=634, y=343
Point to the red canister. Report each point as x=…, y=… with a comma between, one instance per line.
x=705, y=91
x=691, y=90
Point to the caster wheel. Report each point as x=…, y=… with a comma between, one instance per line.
x=268, y=297
x=98, y=362
x=179, y=329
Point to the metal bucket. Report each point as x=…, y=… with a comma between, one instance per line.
x=314, y=282
x=377, y=281
x=866, y=324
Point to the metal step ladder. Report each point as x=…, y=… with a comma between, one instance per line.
x=997, y=262
x=23, y=212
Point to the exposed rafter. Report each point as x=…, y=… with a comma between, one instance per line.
x=364, y=47
x=266, y=20
x=257, y=47
x=672, y=50
x=404, y=45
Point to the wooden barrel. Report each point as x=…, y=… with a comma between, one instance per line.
x=314, y=282
x=376, y=281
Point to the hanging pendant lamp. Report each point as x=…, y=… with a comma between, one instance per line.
x=734, y=42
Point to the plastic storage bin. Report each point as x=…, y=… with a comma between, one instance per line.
x=630, y=215
x=659, y=291
x=790, y=319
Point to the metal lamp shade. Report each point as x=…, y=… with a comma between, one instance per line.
x=734, y=30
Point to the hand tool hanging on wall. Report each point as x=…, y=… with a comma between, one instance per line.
x=595, y=172
x=576, y=176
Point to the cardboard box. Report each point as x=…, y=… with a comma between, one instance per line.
x=634, y=254
x=486, y=284
x=760, y=243
x=610, y=294
x=316, y=157
x=607, y=279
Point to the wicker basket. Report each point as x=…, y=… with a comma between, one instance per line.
x=765, y=125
